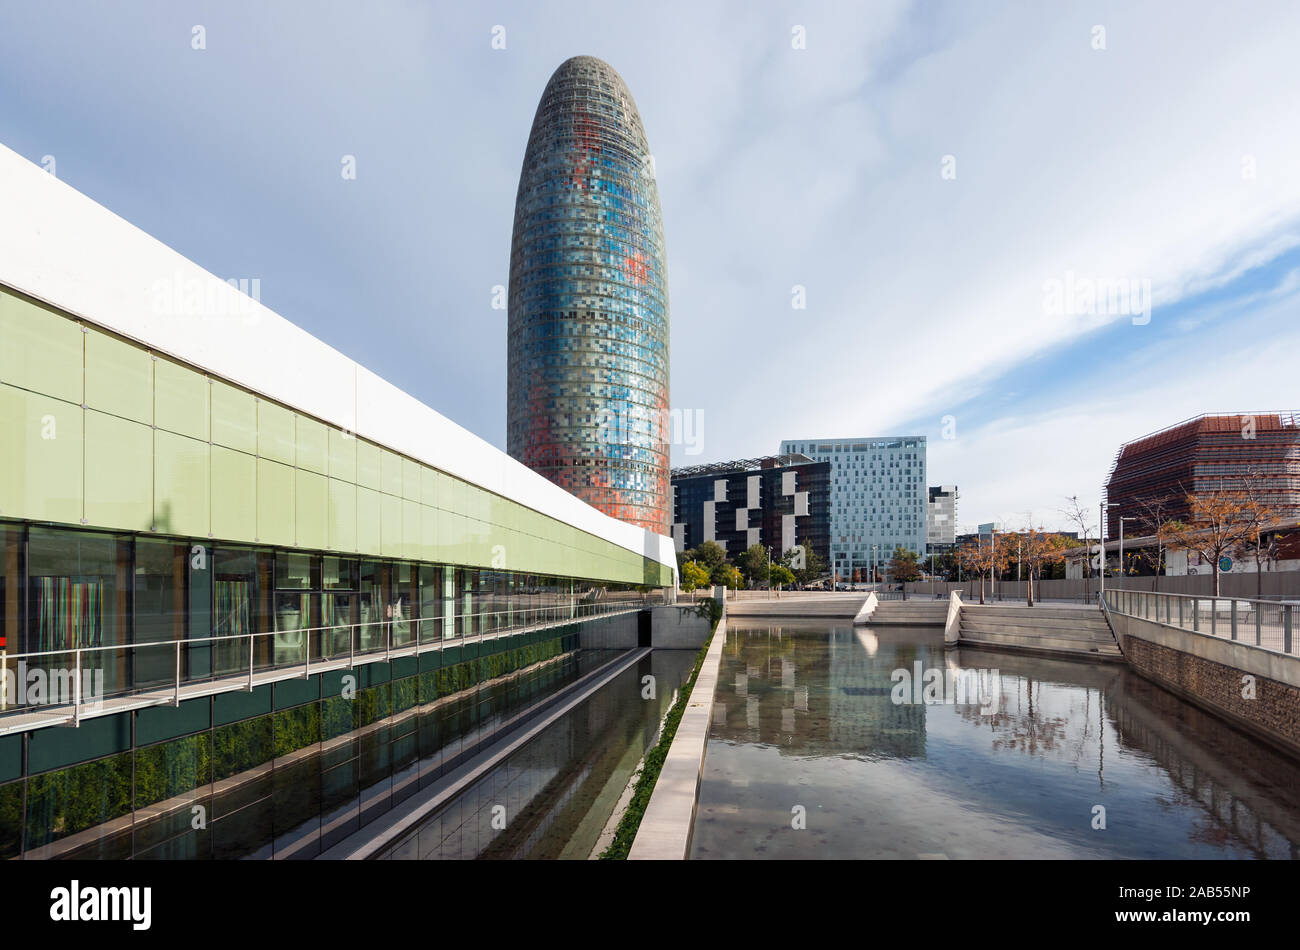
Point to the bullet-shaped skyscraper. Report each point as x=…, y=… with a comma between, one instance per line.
x=588, y=339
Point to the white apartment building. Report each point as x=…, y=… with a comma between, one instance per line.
x=941, y=516
x=877, y=496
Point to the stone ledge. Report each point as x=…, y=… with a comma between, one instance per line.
x=665, y=831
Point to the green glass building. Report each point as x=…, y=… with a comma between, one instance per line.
x=271, y=594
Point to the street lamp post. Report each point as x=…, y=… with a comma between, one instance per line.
x=1122, y=519
x=993, y=561
x=1101, y=546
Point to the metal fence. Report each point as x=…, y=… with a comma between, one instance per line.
x=1271, y=585
x=1263, y=623
x=60, y=684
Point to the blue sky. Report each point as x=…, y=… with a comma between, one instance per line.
x=1170, y=156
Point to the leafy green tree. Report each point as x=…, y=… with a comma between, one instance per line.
x=694, y=576
x=708, y=554
x=813, y=566
x=727, y=576
x=753, y=564
x=903, y=566
x=780, y=574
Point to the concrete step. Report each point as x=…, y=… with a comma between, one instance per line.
x=1069, y=645
x=889, y=608
x=881, y=612
x=1079, y=636
x=1038, y=623
x=1056, y=613
x=927, y=614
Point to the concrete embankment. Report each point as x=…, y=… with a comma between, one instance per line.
x=1254, y=688
x=799, y=605
x=665, y=830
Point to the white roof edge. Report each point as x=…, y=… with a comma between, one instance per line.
x=63, y=248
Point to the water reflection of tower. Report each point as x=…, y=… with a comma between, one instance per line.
x=864, y=719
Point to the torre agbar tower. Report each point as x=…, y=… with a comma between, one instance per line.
x=588, y=342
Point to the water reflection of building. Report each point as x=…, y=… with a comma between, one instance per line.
x=864, y=717
x=815, y=694
x=1240, y=806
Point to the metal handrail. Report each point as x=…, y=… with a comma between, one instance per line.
x=517, y=620
x=1159, y=607
x=1110, y=623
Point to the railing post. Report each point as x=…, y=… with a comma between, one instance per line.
x=76, y=687
x=1196, y=614
x=1233, y=605
x=176, y=696
x=250, y=662
x=1259, y=613
x=1180, y=613
x=1286, y=628
x=1214, y=616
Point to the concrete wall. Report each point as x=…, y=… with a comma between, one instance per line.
x=610, y=633
x=1258, y=690
x=678, y=627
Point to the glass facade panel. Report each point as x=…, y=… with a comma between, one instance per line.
x=234, y=598
x=375, y=590
x=161, y=585
x=79, y=587
x=403, y=610
x=11, y=611
x=288, y=782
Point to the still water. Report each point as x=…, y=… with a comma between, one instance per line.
x=553, y=796
x=811, y=756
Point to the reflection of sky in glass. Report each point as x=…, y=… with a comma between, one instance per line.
x=588, y=340
x=804, y=717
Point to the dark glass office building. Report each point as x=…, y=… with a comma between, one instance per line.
x=777, y=502
x=588, y=336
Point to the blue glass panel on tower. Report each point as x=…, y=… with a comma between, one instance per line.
x=588, y=340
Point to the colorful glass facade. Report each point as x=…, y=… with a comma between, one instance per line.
x=588, y=340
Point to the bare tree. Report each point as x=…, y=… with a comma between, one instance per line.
x=1078, y=514
x=1155, y=516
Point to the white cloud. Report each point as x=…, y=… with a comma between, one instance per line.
x=1123, y=163
x=1033, y=460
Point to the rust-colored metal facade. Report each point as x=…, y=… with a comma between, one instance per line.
x=1205, y=454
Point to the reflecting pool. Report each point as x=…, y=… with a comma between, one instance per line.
x=831, y=742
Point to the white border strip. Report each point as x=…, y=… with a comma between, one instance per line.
x=666, y=826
